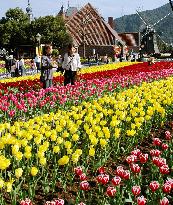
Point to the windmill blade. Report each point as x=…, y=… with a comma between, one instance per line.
x=161, y=39
x=161, y=19
x=141, y=18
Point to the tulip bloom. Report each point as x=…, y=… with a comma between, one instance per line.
x=26, y=202
x=143, y=158
x=165, y=146
x=111, y=191
x=164, y=201
x=136, y=190
x=116, y=180
x=84, y=185
x=157, y=142
x=167, y=188
x=83, y=177
x=103, y=179
x=135, y=168
x=164, y=169
x=101, y=170
x=154, y=186
x=78, y=171
x=141, y=200
x=168, y=135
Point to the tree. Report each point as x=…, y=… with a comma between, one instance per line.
x=15, y=30
x=52, y=30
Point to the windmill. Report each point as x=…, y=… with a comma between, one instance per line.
x=148, y=43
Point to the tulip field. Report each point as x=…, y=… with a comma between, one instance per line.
x=106, y=140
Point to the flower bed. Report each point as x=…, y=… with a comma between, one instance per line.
x=17, y=105
x=41, y=152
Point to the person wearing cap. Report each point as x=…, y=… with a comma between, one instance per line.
x=71, y=64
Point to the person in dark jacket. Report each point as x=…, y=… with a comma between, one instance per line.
x=46, y=68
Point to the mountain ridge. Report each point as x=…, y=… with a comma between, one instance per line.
x=133, y=23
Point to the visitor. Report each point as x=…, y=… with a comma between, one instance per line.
x=13, y=68
x=60, y=61
x=46, y=68
x=33, y=66
x=71, y=64
x=17, y=65
x=21, y=66
x=37, y=61
x=105, y=59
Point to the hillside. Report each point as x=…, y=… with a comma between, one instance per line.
x=132, y=23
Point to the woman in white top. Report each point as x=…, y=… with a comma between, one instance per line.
x=71, y=64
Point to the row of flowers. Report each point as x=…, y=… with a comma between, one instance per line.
x=46, y=148
x=83, y=71
x=32, y=83
x=43, y=101
x=127, y=182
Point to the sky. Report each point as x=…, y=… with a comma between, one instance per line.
x=114, y=8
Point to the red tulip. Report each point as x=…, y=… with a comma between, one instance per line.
x=101, y=170
x=154, y=186
x=59, y=202
x=167, y=188
x=84, y=185
x=164, y=201
x=119, y=171
x=168, y=135
x=136, y=190
x=159, y=161
x=78, y=171
x=136, y=152
x=26, y=202
x=157, y=142
x=155, y=153
x=165, y=146
x=83, y=177
x=143, y=158
x=131, y=159
x=103, y=179
x=164, y=169
x=141, y=200
x=135, y=168
x=111, y=191
x=116, y=180
x=126, y=175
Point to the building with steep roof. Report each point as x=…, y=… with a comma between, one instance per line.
x=91, y=33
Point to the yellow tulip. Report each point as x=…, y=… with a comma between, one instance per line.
x=18, y=172
x=34, y=171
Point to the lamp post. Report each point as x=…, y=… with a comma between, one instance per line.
x=38, y=38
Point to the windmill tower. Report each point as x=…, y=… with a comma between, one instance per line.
x=149, y=36
x=29, y=11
